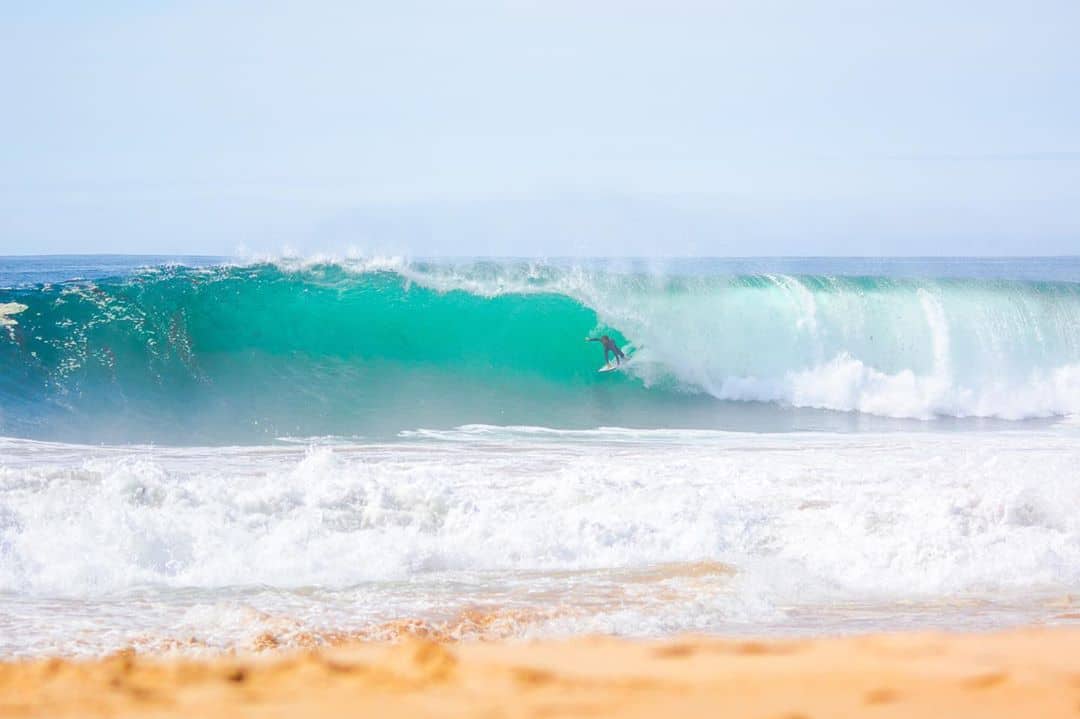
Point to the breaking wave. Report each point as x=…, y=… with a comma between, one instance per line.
x=245, y=353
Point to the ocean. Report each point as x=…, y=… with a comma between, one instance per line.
x=205, y=454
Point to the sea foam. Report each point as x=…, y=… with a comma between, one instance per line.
x=625, y=531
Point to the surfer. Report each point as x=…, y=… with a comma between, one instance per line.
x=609, y=347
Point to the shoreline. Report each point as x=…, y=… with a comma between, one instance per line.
x=1033, y=671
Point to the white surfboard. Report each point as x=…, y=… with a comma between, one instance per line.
x=609, y=367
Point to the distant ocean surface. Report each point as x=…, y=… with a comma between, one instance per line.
x=200, y=454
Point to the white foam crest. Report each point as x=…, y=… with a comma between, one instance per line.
x=7, y=309
x=478, y=278
x=954, y=513
x=7, y=321
x=357, y=264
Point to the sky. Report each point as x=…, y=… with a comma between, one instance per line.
x=738, y=127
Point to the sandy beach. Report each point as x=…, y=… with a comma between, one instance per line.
x=1029, y=672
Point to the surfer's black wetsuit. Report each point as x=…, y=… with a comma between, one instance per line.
x=609, y=347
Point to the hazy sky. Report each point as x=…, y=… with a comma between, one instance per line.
x=743, y=127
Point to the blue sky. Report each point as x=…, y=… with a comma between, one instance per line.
x=541, y=128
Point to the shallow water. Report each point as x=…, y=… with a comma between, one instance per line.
x=521, y=533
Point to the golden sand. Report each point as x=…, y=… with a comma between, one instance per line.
x=1022, y=673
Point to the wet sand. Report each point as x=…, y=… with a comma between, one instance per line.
x=1027, y=672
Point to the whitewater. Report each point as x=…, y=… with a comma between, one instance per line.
x=201, y=455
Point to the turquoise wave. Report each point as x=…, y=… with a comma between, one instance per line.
x=250, y=352
x=247, y=353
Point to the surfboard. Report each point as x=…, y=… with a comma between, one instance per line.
x=609, y=367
